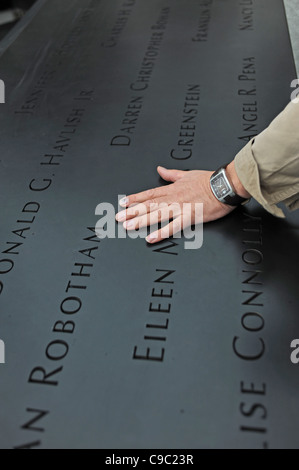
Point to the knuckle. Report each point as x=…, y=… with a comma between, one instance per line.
x=141, y=208
x=131, y=213
x=151, y=204
x=149, y=194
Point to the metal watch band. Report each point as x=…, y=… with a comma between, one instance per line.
x=228, y=195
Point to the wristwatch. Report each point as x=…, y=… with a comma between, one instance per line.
x=223, y=189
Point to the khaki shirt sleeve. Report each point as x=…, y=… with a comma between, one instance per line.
x=268, y=166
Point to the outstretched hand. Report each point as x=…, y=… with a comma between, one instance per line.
x=165, y=203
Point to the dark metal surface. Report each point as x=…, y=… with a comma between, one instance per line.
x=21, y=5
x=244, y=278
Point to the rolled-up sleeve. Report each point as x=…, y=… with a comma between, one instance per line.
x=268, y=166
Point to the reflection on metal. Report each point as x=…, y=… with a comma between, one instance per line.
x=10, y=16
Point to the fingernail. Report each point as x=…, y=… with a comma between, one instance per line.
x=151, y=238
x=124, y=201
x=129, y=224
x=121, y=216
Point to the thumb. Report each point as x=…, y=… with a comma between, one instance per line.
x=170, y=175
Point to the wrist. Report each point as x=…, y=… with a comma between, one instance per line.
x=235, y=181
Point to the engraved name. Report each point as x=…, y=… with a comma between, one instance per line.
x=142, y=82
x=48, y=371
x=247, y=15
x=42, y=182
x=249, y=345
x=248, y=90
x=187, y=132
x=152, y=347
x=204, y=22
x=120, y=23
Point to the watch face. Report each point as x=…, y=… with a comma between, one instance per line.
x=220, y=186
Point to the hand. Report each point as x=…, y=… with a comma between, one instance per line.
x=192, y=187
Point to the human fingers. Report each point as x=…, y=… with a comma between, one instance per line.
x=165, y=232
x=164, y=213
x=143, y=196
x=170, y=175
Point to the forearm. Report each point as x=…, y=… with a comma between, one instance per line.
x=236, y=182
x=268, y=167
